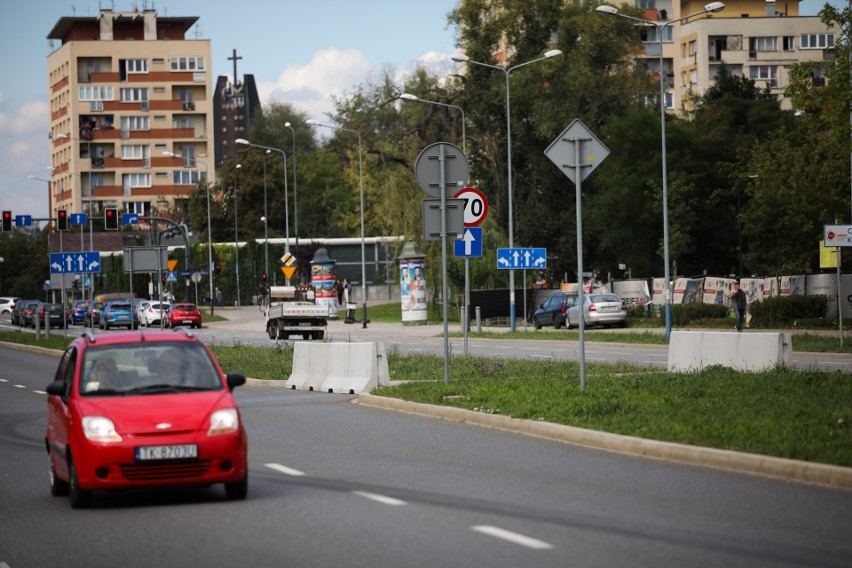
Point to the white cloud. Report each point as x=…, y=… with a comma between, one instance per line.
x=31, y=117
x=309, y=87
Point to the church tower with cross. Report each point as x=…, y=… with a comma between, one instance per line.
x=235, y=103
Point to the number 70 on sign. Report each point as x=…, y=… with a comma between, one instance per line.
x=475, y=206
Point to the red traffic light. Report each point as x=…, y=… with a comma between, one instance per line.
x=62, y=220
x=7, y=220
x=263, y=276
x=111, y=219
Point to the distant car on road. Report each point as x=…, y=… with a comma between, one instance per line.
x=78, y=311
x=602, y=309
x=19, y=309
x=28, y=313
x=116, y=314
x=55, y=315
x=154, y=312
x=93, y=314
x=184, y=313
x=135, y=410
x=7, y=304
x=552, y=311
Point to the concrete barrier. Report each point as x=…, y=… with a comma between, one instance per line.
x=352, y=368
x=751, y=351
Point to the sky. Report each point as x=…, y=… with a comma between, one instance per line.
x=300, y=52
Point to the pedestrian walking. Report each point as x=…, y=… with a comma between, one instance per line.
x=740, y=303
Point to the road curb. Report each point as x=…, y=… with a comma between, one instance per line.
x=790, y=470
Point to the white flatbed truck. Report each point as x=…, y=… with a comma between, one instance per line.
x=290, y=311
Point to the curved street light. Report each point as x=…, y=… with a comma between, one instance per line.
x=209, y=228
x=610, y=10
x=313, y=122
x=462, y=58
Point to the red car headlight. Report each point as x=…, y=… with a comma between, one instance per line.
x=225, y=421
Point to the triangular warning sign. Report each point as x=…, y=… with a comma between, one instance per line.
x=288, y=271
x=172, y=265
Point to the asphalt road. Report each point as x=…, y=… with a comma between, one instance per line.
x=339, y=484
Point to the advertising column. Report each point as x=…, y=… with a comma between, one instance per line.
x=322, y=280
x=412, y=270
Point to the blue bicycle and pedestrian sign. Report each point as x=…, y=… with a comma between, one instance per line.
x=74, y=262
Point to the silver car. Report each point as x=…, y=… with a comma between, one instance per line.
x=600, y=308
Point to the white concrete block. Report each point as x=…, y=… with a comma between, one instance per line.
x=749, y=351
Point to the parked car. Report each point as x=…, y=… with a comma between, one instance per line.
x=154, y=312
x=602, y=309
x=93, y=314
x=184, y=313
x=116, y=314
x=126, y=411
x=7, y=304
x=25, y=319
x=78, y=311
x=18, y=311
x=55, y=315
x=552, y=311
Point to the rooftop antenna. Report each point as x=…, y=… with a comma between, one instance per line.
x=73, y=11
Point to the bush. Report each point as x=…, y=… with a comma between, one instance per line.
x=683, y=314
x=784, y=311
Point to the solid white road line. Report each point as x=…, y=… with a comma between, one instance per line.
x=380, y=498
x=512, y=537
x=284, y=469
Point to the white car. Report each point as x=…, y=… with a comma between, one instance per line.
x=7, y=304
x=601, y=308
x=154, y=312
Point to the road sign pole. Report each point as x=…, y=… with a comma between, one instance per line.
x=442, y=157
x=580, y=301
x=466, y=323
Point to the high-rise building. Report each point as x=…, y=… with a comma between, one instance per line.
x=125, y=87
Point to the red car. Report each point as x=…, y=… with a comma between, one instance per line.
x=184, y=313
x=143, y=409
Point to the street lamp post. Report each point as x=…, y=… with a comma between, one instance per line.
x=461, y=58
x=209, y=228
x=91, y=202
x=466, y=322
x=313, y=122
x=236, y=236
x=712, y=7
x=268, y=149
x=295, y=186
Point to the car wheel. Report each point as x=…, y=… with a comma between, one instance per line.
x=536, y=324
x=238, y=489
x=58, y=487
x=557, y=324
x=80, y=498
x=271, y=331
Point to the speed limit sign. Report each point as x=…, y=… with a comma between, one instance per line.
x=475, y=206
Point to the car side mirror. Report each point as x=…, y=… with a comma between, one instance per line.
x=56, y=388
x=235, y=380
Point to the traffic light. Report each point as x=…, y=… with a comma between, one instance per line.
x=263, y=277
x=7, y=220
x=217, y=269
x=111, y=219
x=62, y=220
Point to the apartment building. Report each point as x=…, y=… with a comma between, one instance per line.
x=759, y=39
x=125, y=87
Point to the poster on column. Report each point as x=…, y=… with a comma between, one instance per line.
x=322, y=279
x=412, y=290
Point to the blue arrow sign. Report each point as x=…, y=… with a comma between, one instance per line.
x=470, y=244
x=23, y=220
x=130, y=218
x=78, y=218
x=75, y=262
x=510, y=258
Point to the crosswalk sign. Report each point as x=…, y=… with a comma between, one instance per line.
x=171, y=277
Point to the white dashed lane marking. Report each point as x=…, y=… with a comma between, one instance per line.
x=512, y=537
x=383, y=499
x=284, y=469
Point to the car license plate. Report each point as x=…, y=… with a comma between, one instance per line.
x=176, y=452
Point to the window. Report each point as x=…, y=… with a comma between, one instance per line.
x=184, y=122
x=817, y=41
x=768, y=73
x=646, y=4
x=692, y=47
x=789, y=43
x=137, y=180
x=693, y=76
x=137, y=207
x=669, y=100
x=761, y=44
x=652, y=35
x=134, y=123
x=95, y=93
x=187, y=177
x=134, y=95
x=134, y=152
x=186, y=63
x=137, y=65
